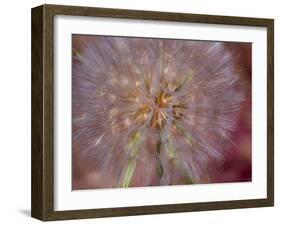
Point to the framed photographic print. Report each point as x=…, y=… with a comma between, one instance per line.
x=141, y=112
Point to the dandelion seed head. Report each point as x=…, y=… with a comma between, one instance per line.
x=155, y=110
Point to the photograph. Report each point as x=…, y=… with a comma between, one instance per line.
x=160, y=112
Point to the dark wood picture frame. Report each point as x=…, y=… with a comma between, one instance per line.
x=42, y=203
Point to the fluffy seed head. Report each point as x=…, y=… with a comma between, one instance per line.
x=152, y=111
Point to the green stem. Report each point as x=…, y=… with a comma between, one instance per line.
x=159, y=164
x=129, y=173
x=134, y=146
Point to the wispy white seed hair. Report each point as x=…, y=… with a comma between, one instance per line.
x=152, y=111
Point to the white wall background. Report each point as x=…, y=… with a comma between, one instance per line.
x=15, y=104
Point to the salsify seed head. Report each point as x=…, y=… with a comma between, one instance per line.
x=153, y=111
